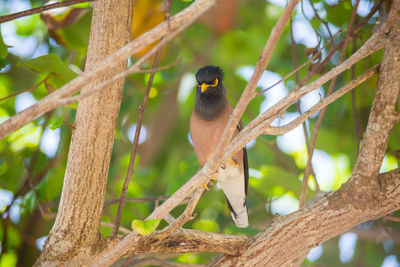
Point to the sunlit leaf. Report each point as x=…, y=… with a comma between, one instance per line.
x=145, y=227
x=8, y=259
x=57, y=123
x=3, y=48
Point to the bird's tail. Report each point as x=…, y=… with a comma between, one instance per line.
x=239, y=216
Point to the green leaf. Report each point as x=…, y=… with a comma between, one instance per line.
x=81, y=5
x=3, y=63
x=145, y=228
x=76, y=36
x=9, y=258
x=3, y=48
x=57, y=124
x=29, y=201
x=49, y=63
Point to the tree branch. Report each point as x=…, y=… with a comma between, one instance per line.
x=272, y=130
x=52, y=101
x=41, y=9
x=287, y=238
x=322, y=113
x=135, y=143
x=211, y=166
x=252, y=130
x=364, y=197
x=184, y=241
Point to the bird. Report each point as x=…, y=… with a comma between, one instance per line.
x=211, y=113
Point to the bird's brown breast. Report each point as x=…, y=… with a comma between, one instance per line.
x=206, y=135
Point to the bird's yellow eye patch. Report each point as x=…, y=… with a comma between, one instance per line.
x=204, y=86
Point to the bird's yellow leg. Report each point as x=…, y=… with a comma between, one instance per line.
x=233, y=162
x=209, y=182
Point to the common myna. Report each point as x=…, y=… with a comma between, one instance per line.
x=209, y=118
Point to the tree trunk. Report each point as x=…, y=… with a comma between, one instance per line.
x=76, y=230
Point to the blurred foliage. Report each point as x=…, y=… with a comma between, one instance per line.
x=35, y=55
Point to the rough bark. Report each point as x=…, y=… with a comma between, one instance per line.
x=366, y=196
x=185, y=240
x=74, y=239
x=58, y=98
x=76, y=230
x=289, y=236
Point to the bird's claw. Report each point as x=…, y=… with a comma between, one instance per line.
x=205, y=187
x=209, y=182
x=233, y=162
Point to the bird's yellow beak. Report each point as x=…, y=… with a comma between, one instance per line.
x=203, y=87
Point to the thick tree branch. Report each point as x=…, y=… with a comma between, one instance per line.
x=76, y=229
x=185, y=240
x=272, y=130
x=287, y=238
x=110, y=256
x=253, y=129
x=52, y=101
x=364, y=197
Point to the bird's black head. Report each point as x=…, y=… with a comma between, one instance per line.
x=210, y=92
x=209, y=78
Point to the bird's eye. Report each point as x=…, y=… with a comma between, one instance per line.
x=199, y=83
x=215, y=83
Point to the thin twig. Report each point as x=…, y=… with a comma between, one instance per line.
x=357, y=129
x=392, y=218
x=41, y=9
x=30, y=89
x=135, y=143
x=299, y=84
x=295, y=71
x=5, y=222
x=172, y=64
x=69, y=124
x=134, y=68
x=326, y=24
x=43, y=211
x=134, y=146
x=322, y=113
x=186, y=214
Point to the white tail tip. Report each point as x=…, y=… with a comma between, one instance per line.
x=241, y=219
